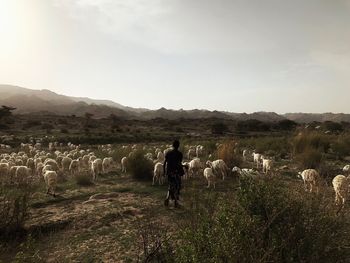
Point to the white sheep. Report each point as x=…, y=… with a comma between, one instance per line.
x=47, y=167
x=22, y=173
x=185, y=166
x=346, y=169
x=85, y=162
x=219, y=167
x=210, y=176
x=311, y=179
x=39, y=169
x=199, y=150
x=106, y=164
x=256, y=159
x=96, y=168
x=245, y=172
x=65, y=163
x=267, y=165
x=30, y=164
x=341, y=187
x=4, y=170
x=191, y=153
x=53, y=164
x=50, y=178
x=74, y=167
x=245, y=154
x=124, y=162
x=158, y=173
x=194, y=167
x=160, y=157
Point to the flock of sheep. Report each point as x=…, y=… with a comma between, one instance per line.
x=33, y=161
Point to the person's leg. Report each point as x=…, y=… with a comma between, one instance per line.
x=166, y=201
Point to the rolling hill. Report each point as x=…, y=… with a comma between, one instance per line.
x=47, y=102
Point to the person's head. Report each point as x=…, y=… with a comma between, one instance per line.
x=176, y=144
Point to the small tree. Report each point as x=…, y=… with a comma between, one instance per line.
x=5, y=111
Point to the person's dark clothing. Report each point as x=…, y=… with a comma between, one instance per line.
x=174, y=171
x=173, y=160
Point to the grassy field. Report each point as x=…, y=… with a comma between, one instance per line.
x=119, y=218
x=104, y=222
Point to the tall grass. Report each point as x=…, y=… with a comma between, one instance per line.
x=227, y=153
x=309, y=149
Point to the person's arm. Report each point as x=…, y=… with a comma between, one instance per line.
x=164, y=165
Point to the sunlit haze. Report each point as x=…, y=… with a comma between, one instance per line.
x=239, y=56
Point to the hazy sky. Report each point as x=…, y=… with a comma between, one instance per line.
x=234, y=55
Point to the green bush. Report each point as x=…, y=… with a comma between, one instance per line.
x=264, y=222
x=341, y=146
x=309, y=140
x=140, y=167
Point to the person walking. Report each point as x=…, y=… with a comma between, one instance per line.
x=173, y=169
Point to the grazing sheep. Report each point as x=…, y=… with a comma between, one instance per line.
x=160, y=157
x=39, y=169
x=96, y=168
x=50, y=178
x=219, y=167
x=194, y=167
x=267, y=165
x=30, y=164
x=106, y=164
x=346, y=169
x=199, y=150
x=210, y=176
x=245, y=172
x=311, y=180
x=341, y=187
x=74, y=167
x=53, y=164
x=149, y=156
x=191, y=153
x=92, y=158
x=85, y=162
x=124, y=162
x=256, y=159
x=158, y=173
x=185, y=166
x=66, y=161
x=47, y=167
x=4, y=170
x=245, y=155
x=23, y=173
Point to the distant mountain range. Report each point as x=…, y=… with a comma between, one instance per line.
x=48, y=102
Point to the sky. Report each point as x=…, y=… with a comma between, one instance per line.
x=227, y=55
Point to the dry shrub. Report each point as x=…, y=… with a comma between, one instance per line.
x=227, y=153
x=265, y=222
x=140, y=167
x=14, y=205
x=154, y=243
